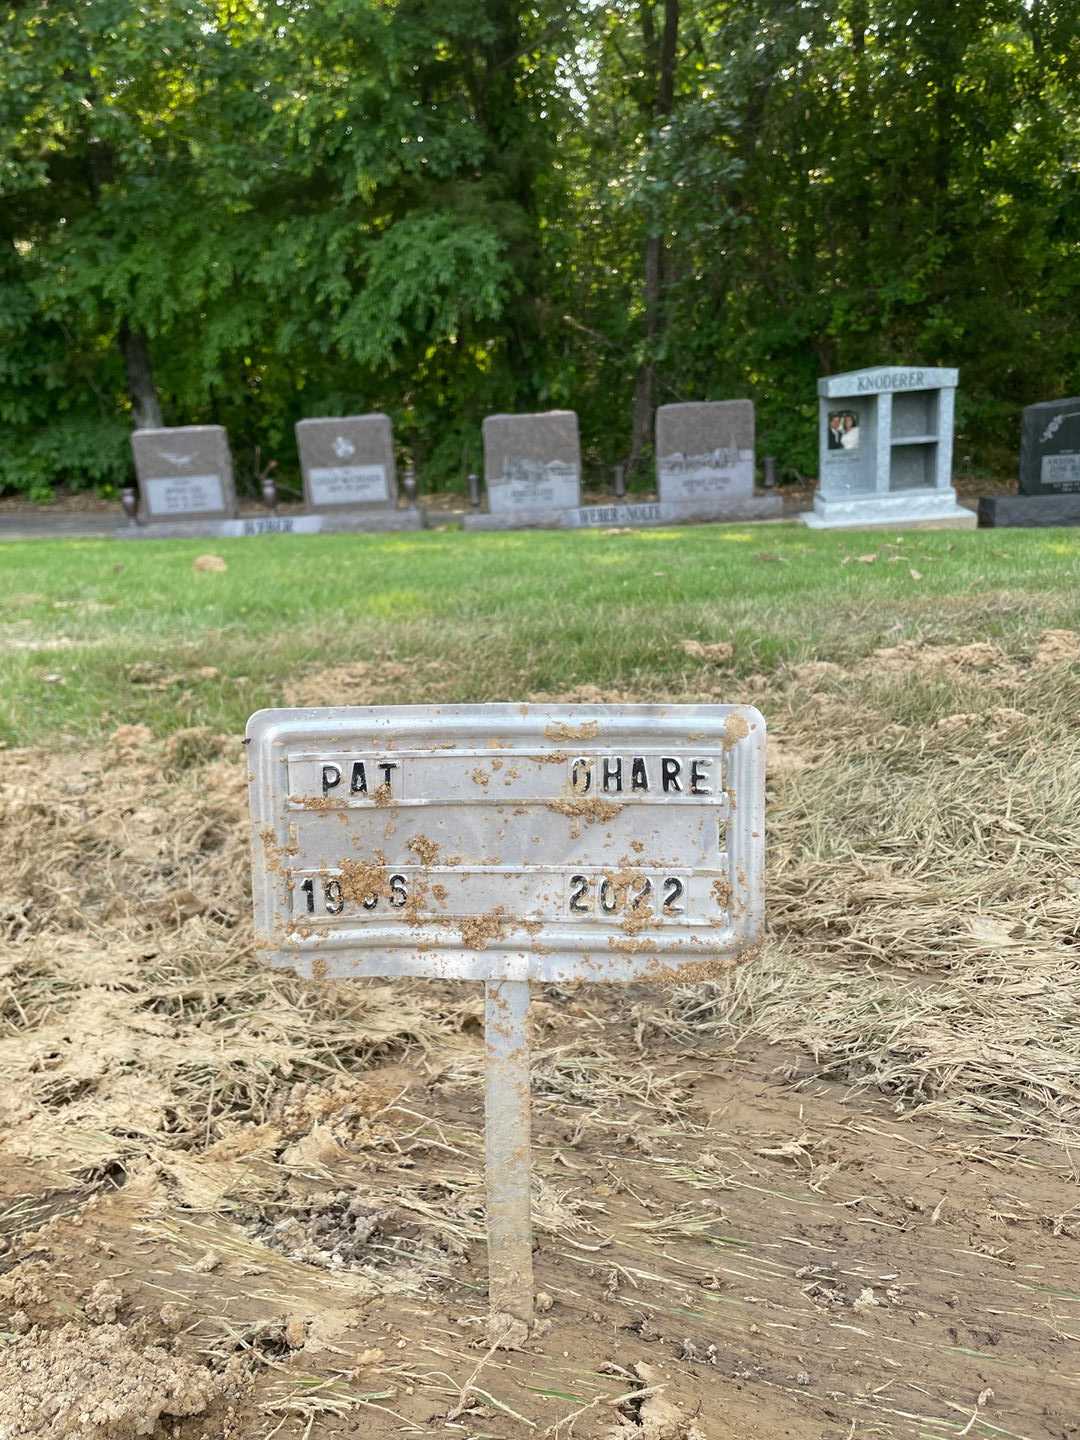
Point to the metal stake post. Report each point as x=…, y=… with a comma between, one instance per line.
x=507, y=1140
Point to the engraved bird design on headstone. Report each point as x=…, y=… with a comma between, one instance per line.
x=175, y=459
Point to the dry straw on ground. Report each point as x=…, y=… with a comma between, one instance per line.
x=925, y=822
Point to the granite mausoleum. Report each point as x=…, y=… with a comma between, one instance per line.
x=885, y=449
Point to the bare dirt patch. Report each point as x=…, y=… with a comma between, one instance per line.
x=1058, y=647
x=372, y=682
x=72, y=1380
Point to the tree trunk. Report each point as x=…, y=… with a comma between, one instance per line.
x=645, y=383
x=503, y=108
x=145, y=405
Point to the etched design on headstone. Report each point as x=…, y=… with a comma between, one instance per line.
x=1056, y=424
x=714, y=473
x=348, y=462
x=705, y=451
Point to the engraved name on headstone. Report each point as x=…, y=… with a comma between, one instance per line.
x=184, y=473
x=347, y=462
x=705, y=450
x=532, y=462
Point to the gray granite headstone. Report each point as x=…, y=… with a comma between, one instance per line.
x=348, y=463
x=705, y=451
x=184, y=472
x=1050, y=448
x=532, y=463
x=885, y=448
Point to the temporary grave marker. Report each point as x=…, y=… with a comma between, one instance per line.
x=508, y=843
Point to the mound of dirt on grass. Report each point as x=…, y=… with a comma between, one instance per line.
x=585, y=695
x=1058, y=647
x=812, y=672
x=373, y=682
x=785, y=758
x=717, y=653
x=980, y=655
x=132, y=1001
x=102, y=1382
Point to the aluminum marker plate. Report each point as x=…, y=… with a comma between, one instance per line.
x=515, y=842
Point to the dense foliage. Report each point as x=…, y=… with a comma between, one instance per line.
x=249, y=211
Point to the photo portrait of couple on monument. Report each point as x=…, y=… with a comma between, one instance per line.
x=843, y=430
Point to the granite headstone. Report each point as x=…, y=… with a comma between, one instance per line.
x=184, y=473
x=705, y=450
x=1049, y=470
x=705, y=462
x=348, y=463
x=1050, y=448
x=532, y=463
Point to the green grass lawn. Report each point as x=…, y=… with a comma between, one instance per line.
x=98, y=633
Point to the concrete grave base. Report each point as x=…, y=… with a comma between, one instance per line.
x=635, y=514
x=928, y=510
x=517, y=520
x=680, y=512
x=1029, y=510
x=275, y=525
